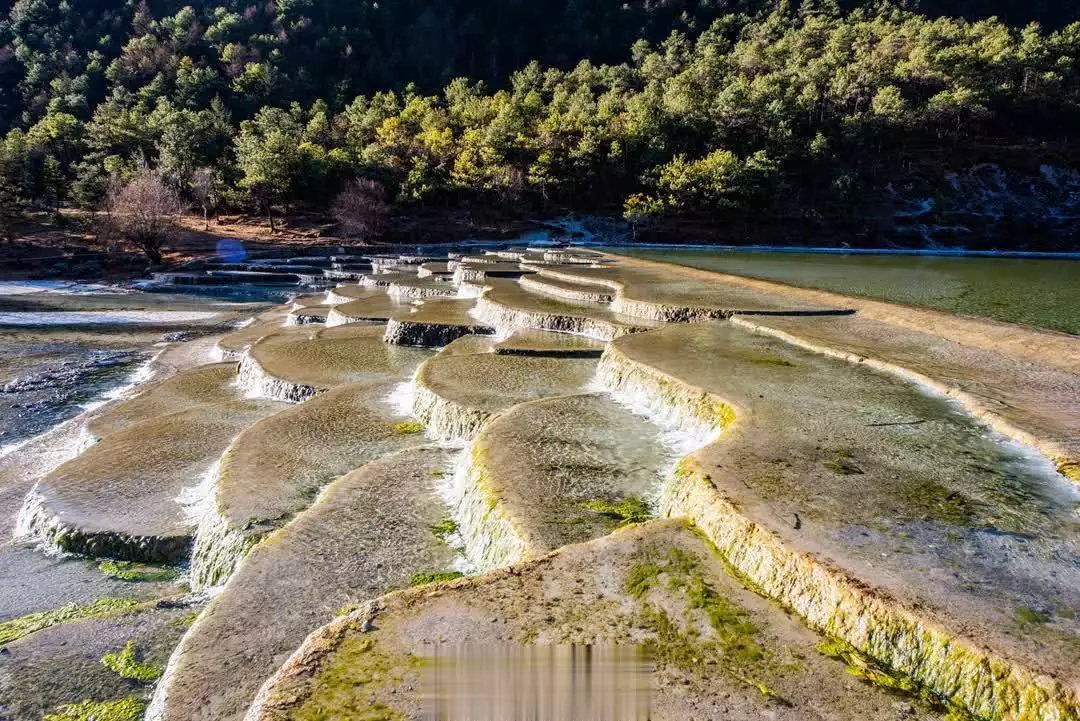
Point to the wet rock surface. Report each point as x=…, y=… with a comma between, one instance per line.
x=457, y=392
x=296, y=367
x=937, y=497
x=209, y=384
x=728, y=655
x=435, y=323
x=63, y=664
x=119, y=498
x=544, y=343
x=835, y=472
x=299, y=578
x=568, y=469
x=273, y=470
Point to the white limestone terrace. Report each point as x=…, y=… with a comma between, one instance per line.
x=836, y=462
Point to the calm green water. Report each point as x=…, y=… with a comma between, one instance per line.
x=1044, y=293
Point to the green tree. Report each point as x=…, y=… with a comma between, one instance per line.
x=268, y=155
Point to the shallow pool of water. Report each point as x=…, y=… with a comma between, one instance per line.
x=1037, y=292
x=65, y=347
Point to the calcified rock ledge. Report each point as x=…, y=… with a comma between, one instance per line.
x=826, y=598
x=257, y=383
x=539, y=604
x=1064, y=459
x=581, y=293
x=580, y=285
x=217, y=550
x=507, y=393
x=307, y=316
x=429, y=334
x=508, y=319
x=335, y=317
x=492, y=538
x=37, y=524
x=444, y=419
x=422, y=289
x=367, y=532
x=334, y=298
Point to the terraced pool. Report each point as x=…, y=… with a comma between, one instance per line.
x=1038, y=292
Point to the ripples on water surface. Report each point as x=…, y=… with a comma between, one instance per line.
x=1038, y=292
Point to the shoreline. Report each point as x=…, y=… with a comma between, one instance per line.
x=1030, y=343
x=834, y=250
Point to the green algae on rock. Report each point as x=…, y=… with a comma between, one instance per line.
x=16, y=628
x=128, y=571
x=125, y=664
x=765, y=524
x=752, y=661
x=422, y=579
x=128, y=708
x=62, y=664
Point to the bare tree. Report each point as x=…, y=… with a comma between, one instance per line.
x=361, y=209
x=203, y=184
x=143, y=211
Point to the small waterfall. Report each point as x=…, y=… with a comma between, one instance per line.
x=506, y=320
x=257, y=383
x=488, y=535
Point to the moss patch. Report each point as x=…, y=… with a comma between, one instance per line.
x=421, y=579
x=844, y=467
x=128, y=708
x=129, y=571
x=25, y=625
x=627, y=511
x=862, y=666
x=127, y=666
x=733, y=645
x=184, y=621
x=766, y=361
x=446, y=527
x=344, y=686
x=1030, y=617
x=407, y=427
x=940, y=503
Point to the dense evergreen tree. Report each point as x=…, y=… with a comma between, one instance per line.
x=688, y=108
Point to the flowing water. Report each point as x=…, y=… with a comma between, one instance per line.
x=1038, y=292
x=66, y=347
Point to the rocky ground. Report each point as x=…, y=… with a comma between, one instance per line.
x=455, y=481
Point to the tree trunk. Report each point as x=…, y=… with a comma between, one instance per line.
x=205, y=219
x=270, y=217
x=153, y=253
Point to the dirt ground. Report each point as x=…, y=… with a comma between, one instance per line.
x=68, y=246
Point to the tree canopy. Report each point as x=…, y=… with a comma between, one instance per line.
x=682, y=108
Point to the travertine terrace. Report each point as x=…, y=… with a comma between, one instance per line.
x=797, y=505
